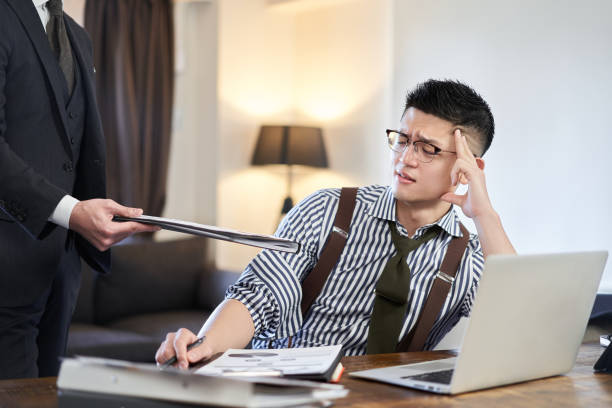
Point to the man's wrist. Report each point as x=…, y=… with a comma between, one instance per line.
x=487, y=217
x=63, y=210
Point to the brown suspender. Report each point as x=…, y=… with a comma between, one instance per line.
x=415, y=339
x=313, y=284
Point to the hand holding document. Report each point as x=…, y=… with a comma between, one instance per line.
x=256, y=240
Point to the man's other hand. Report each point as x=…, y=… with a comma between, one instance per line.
x=93, y=219
x=469, y=170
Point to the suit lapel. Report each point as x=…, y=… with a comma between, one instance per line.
x=83, y=65
x=25, y=11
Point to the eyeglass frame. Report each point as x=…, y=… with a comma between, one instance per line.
x=436, y=153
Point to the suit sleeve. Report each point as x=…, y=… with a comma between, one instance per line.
x=26, y=197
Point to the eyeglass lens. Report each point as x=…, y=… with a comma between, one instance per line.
x=399, y=143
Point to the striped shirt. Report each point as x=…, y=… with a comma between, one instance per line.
x=270, y=286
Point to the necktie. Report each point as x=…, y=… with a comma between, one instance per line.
x=58, y=39
x=392, y=288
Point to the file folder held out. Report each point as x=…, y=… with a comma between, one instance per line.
x=239, y=237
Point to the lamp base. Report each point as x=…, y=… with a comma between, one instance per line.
x=287, y=205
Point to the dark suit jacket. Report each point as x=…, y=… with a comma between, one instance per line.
x=36, y=159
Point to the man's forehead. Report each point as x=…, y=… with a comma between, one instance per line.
x=425, y=126
x=414, y=118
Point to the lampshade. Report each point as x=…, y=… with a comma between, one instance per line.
x=290, y=145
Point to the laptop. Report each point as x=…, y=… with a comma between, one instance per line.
x=527, y=322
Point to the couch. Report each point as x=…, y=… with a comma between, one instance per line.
x=153, y=288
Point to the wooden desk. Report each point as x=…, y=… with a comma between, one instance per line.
x=579, y=388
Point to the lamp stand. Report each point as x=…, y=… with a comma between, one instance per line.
x=288, y=203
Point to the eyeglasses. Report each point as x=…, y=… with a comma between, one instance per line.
x=424, y=152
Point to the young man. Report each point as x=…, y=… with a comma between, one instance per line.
x=445, y=129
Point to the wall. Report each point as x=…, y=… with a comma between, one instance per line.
x=343, y=82
x=318, y=64
x=192, y=171
x=544, y=67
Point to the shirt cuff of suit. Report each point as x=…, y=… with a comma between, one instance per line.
x=61, y=214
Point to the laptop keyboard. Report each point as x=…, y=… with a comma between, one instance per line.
x=441, y=377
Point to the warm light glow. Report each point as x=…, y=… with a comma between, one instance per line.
x=339, y=71
x=251, y=200
x=257, y=103
x=324, y=107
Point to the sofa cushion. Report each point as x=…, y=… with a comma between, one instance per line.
x=157, y=325
x=90, y=340
x=151, y=277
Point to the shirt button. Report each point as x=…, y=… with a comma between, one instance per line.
x=68, y=167
x=72, y=140
x=72, y=115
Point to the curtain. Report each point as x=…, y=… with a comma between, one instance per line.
x=133, y=43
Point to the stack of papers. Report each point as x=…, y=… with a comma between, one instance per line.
x=84, y=380
x=311, y=363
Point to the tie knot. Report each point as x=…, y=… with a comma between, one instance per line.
x=404, y=245
x=55, y=7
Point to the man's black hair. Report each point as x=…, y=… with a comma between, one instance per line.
x=456, y=103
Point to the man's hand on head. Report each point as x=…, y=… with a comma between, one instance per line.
x=469, y=170
x=93, y=219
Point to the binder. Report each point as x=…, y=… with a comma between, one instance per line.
x=111, y=383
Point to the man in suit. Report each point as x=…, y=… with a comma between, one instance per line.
x=52, y=175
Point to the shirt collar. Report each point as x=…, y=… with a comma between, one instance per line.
x=38, y=3
x=384, y=208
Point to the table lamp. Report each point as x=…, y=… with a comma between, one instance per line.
x=290, y=145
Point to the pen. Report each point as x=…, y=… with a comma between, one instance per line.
x=172, y=360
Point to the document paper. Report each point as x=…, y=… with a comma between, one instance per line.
x=285, y=362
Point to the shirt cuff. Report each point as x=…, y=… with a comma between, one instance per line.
x=61, y=214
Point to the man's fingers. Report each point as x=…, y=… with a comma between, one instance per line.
x=127, y=211
x=457, y=174
x=460, y=144
x=166, y=349
x=164, y=352
x=463, y=148
x=454, y=198
x=199, y=353
x=183, y=338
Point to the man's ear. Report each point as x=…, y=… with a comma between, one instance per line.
x=480, y=163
